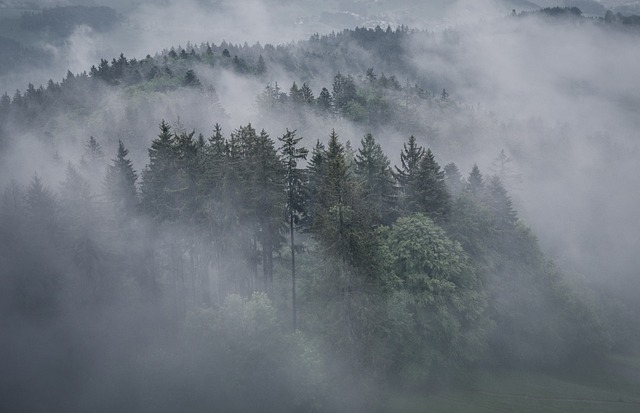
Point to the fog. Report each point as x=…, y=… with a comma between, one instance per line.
x=560, y=96
x=566, y=99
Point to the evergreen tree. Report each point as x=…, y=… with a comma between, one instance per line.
x=93, y=153
x=476, y=183
x=295, y=94
x=191, y=80
x=307, y=94
x=432, y=196
x=344, y=91
x=159, y=176
x=373, y=170
x=261, y=66
x=453, y=179
x=500, y=204
x=295, y=200
x=408, y=174
x=267, y=199
x=325, y=101
x=120, y=184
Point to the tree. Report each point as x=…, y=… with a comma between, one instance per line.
x=432, y=196
x=159, y=175
x=500, y=204
x=502, y=168
x=476, y=183
x=453, y=179
x=307, y=94
x=93, y=153
x=267, y=199
x=120, y=184
x=295, y=200
x=191, y=80
x=295, y=94
x=93, y=160
x=325, y=101
x=407, y=175
x=373, y=170
x=261, y=66
x=344, y=91
x=442, y=294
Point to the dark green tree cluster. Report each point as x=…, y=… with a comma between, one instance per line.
x=403, y=275
x=371, y=100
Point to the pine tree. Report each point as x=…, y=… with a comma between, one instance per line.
x=159, y=175
x=373, y=170
x=453, y=179
x=344, y=91
x=261, y=66
x=500, y=204
x=407, y=175
x=325, y=101
x=295, y=94
x=295, y=200
x=93, y=153
x=432, y=197
x=120, y=184
x=307, y=94
x=268, y=200
x=476, y=183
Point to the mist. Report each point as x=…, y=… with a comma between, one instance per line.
x=166, y=284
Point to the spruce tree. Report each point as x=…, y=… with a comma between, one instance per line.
x=475, y=183
x=159, y=175
x=295, y=200
x=432, y=197
x=120, y=184
x=453, y=179
x=407, y=175
x=373, y=171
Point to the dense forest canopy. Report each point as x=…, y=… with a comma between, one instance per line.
x=304, y=226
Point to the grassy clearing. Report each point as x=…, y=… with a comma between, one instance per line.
x=601, y=391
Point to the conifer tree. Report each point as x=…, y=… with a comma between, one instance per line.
x=476, y=183
x=295, y=200
x=373, y=171
x=93, y=153
x=453, y=179
x=500, y=203
x=159, y=175
x=432, y=197
x=267, y=198
x=120, y=183
x=407, y=175
x=307, y=94
x=325, y=101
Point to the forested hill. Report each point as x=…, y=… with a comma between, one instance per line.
x=326, y=249
x=371, y=74
x=404, y=274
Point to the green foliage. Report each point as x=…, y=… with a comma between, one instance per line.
x=443, y=294
x=378, y=186
x=253, y=365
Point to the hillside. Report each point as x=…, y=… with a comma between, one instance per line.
x=313, y=226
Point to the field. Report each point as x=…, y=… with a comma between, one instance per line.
x=614, y=387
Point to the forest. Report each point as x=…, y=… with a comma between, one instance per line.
x=322, y=225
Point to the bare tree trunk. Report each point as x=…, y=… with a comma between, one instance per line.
x=293, y=273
